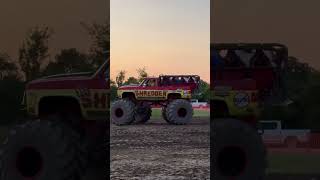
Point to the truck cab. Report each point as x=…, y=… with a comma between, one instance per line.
x=161, y=88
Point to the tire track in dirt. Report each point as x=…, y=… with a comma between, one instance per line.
x=157, y=150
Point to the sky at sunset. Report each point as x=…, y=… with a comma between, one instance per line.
x=17, y=17
x=165, y=36
x=293, y=23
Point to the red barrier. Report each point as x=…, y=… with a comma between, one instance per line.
x=314, y=140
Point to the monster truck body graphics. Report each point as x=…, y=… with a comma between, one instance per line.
x=160, y=90
x=240, y=103
x=155, y=94
x=89, y=90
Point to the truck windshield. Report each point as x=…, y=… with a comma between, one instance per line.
x=144, y=82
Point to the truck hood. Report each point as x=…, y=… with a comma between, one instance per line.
x=58, y=77
x=131, y=86
x=65, y=81
x=81, y=74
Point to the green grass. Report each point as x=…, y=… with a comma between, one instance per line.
x=294, y=163
x=156, y=112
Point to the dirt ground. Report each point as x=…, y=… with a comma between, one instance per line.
x=157, y=150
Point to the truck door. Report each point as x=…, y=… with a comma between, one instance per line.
x=151, y=91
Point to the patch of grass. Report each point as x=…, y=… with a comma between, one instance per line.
x=294, y=163
x=156, y=112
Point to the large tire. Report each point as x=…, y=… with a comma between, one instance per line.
x=142, y=113
x=98, y=145
x=179, y=112
x=41, y=150
x=238, y=151
x=122, y=112
x=164, y=114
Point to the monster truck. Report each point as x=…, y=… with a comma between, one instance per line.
x=171, y=92
x=67, y=129
x=244, y=79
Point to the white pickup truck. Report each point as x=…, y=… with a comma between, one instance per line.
x=196, y=104
x=273, y=134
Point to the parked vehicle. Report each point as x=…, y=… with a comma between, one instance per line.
x=196, y=104
x=275, y=135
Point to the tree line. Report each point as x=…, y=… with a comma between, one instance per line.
x=303, y=88
x=33, y=55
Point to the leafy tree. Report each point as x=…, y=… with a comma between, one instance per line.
x=34, y=51
x=142, y=73
x=299, y=76
x=120, y=78
x=303, y=85
x=69, y=61
x=203, y=92
x=100, y=45
x=131, y=80
x=8, y=69
x=113, y=90
x=112, y=83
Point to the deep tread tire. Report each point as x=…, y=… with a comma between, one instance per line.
x=173, y=112
x=52, y=141
x=99, y=145
x=142, y=114
x=238, y=151
x=122, y=112
x=164, y=114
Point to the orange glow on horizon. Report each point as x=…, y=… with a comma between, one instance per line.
x=175, y=42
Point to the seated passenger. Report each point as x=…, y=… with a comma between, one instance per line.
x=152, y=83
x=217, y=61
x=260, y=59
x=233, y=60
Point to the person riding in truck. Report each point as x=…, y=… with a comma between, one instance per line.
x=233, y=60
